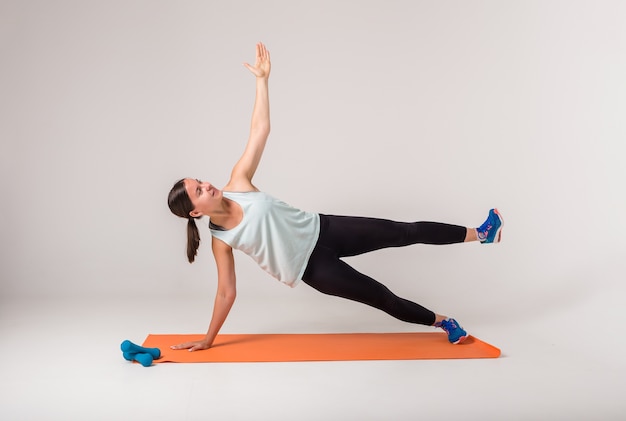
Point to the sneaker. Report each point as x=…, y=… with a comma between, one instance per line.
x=491, y=230
x=456, y=334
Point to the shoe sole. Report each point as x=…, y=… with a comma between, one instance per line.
x=498, y=236
x=460, y=340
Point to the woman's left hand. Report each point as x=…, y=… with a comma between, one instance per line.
x=193, y=345
x=262, y=66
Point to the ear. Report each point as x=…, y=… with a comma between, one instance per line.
x=194, y=213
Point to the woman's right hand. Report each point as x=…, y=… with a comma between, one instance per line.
x=193, y=345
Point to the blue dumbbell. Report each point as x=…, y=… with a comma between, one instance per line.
x=142, y=358
x=130, y=348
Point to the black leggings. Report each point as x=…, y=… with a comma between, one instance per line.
x=343, y=236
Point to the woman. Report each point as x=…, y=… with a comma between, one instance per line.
x=294, y=245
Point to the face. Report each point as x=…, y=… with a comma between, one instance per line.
x=204, y=196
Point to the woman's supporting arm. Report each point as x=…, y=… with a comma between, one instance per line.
x=224, y=298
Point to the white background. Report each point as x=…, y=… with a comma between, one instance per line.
x=410, y=110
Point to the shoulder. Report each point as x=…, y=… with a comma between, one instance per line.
x=220, y=247
x=223, y=254
x=225, y=262
x=240, y=184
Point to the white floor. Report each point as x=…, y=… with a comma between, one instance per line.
x=61, y=361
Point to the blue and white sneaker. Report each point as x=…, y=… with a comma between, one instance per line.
x=456, y=334
x=491, y=230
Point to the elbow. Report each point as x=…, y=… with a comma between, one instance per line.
x=261, y=130
x=231, y=295
x=228, y=295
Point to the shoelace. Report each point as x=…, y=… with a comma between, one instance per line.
x=448, y=325
x=486, y=226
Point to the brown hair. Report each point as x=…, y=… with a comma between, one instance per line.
x=180, y=204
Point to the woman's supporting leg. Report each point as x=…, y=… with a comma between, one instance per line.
x=330, y=275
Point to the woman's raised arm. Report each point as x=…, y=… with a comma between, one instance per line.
x=241, y=176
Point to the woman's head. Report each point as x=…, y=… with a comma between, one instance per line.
x=192, y=197
x=181, y=205
x=178, y=200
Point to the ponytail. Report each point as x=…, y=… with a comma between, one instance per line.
x=193, y=240
x=180, y=205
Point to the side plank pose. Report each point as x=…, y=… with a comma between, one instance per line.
x=293, y=245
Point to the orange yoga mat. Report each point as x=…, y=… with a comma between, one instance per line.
x=321, y=347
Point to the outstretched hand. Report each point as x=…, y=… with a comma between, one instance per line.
x=262, y=66
x=193, y=345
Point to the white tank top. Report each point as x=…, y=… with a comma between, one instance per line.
x=280, y=238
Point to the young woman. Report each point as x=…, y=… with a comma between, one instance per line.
x=294, y=245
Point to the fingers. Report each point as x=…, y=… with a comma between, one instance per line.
x=191, y=346
x=182, y=346
x=186, y=345
x=262, y=52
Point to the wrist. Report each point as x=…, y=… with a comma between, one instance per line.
x=208, y=340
